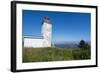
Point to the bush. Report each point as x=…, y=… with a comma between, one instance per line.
x=83, y=45
x=81, y=54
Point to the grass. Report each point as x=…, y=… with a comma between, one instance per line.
x=54, y=54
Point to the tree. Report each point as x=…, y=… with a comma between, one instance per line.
x=83, y=45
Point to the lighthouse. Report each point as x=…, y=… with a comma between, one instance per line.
x=47, y=31
x=43, y=40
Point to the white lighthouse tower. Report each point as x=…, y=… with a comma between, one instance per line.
x=47, y=31
x=43, y=40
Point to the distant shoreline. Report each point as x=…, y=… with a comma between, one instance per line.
x=67, y=44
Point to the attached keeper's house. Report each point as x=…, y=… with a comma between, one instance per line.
x=43, y=40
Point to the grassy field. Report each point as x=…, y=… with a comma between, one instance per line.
x=54, y=54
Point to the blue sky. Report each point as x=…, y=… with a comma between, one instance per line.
x=66, y=26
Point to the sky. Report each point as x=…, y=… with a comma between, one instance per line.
x=66, y=26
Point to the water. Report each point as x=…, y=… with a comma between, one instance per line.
x=65, y=45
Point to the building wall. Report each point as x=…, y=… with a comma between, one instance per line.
x=31, y=42
x=47, y=33
x=36, y=42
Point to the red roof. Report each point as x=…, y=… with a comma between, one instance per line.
x=46, y=17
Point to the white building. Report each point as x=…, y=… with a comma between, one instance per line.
x=43, y=40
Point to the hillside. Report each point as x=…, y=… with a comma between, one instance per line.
x=54, y=54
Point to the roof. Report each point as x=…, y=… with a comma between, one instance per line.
x=35, y=37
x=47, y=18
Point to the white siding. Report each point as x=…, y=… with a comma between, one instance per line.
x=31, y=42
x=47, y=33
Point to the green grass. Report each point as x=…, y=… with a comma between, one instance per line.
x=54, y=54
